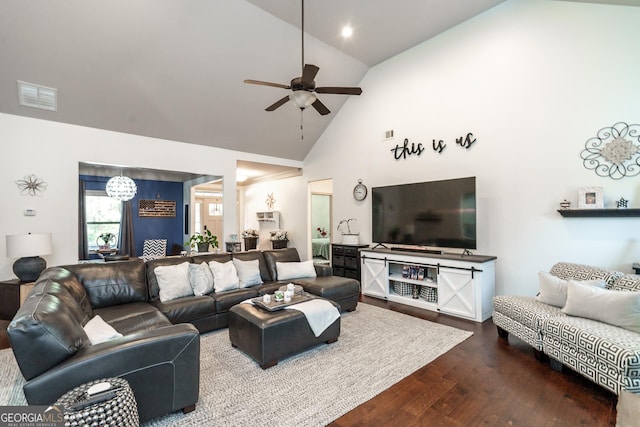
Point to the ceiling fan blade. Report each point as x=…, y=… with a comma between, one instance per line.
x=277, y=104
x=340, y=90
x=308, y=74
x=258, y=82
x=320, y=107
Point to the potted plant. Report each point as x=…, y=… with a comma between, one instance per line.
x=250, y=237
x=105, y=240
x=279, y=239
x=202, y=241
x=348, y=238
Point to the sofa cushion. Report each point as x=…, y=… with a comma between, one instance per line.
x=279, y=255
x=212, y=257
x=200, y=278
x=628, y=282
x=48, y=286
x=333, y=288
x=604, y=353
x=133, y=318
x=225, y=300
x=613, y=307
x=99, y=331
x=225, y=276
x=295, y=270
x=262, y=263
x=112, y=283
x=45, y=332
x=524, y=310
x=173, y=281
x=567, y=270
x=188, y=309
x=72, y=284
x=248, y=272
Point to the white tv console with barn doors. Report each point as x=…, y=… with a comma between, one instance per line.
x=459, y=285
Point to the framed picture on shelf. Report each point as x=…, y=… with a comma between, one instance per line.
x=590, y=198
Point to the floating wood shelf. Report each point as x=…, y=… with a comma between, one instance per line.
x=598, y=213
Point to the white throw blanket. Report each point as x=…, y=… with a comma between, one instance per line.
x=319, y=313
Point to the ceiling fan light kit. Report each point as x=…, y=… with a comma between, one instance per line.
x=302, y=98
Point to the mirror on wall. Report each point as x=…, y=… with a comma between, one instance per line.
x=321, y=229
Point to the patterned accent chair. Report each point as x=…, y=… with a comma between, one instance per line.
x=154, y=249
x=606, y=354
x=523, y=316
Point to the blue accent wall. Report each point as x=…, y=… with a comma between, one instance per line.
x=151, y=228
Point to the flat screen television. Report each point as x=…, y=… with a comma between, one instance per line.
x=434, y=213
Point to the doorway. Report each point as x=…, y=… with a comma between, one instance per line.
x=208, y=212
x=321, y=220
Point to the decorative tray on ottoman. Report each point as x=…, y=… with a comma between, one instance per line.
x=273, y=305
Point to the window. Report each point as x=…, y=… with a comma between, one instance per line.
x=103, y=216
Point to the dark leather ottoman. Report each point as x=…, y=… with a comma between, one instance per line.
x=268, y=337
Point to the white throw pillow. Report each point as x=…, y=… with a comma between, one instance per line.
x=225, y=276
x=100, y=331
x=173, y=281
x=248, y=272
x=295, y=270
x=618, y=308
x=553, y=290
x=200, y=278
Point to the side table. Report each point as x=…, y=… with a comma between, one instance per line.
x=12, y=295
x=636, y=267
x=119, y=410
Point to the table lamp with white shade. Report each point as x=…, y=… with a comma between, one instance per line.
x=28, y=248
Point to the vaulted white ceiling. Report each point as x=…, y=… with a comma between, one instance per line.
x=175, y=69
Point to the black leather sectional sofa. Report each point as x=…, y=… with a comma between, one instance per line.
x=159, y=351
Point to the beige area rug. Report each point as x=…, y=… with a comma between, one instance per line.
x=376, y=349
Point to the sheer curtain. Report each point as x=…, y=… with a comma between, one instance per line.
x=83, y=245
x=127, y=245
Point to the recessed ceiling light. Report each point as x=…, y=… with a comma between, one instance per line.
x=347, y=31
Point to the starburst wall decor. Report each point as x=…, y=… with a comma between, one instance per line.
x=31, y=185
x=614, y=151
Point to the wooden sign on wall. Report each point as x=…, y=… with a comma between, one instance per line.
x=157, y=208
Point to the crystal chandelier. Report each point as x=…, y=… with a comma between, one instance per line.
x=121, y=188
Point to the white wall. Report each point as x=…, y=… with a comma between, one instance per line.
x=290, y=195
x=533, y=80
x=52, y=151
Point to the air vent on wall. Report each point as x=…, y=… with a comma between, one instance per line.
x=36, y=96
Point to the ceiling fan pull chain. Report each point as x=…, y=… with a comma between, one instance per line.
x=301, y=127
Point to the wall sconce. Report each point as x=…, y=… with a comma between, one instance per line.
x=28, y=248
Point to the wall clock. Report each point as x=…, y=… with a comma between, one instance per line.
x=360, y=191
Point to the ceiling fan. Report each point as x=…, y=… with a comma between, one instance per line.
x=303, y=88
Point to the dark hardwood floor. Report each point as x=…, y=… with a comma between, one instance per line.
x=483, y=381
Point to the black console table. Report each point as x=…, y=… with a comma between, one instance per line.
x=345, y=260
